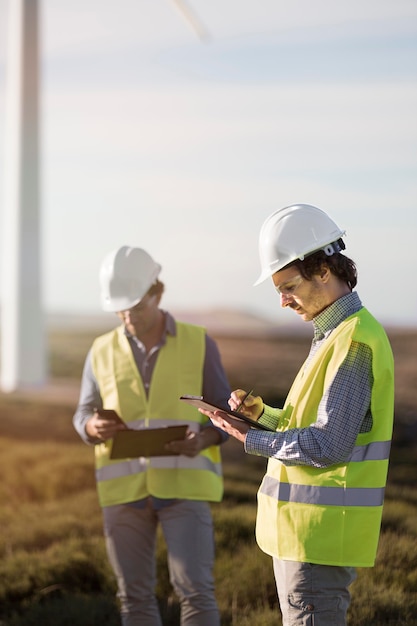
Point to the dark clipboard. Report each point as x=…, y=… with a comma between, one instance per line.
x=201, y=403
x=131, y=443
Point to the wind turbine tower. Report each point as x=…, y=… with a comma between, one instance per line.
x=23, y=355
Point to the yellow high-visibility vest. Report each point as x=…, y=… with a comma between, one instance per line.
x=178, y=370
x=332, y=515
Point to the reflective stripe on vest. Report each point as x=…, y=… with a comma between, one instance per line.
x=324, y=496
x=142, y=464
x=375, y=451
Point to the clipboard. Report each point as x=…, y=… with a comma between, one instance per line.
x=131, y=443
x=201, y=403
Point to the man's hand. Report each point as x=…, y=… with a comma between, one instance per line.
x=234, y=427
x=104, y=424
x=190, y=446
x=252, y=407
x=195, y=442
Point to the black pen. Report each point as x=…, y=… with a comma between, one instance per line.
x=243, y=401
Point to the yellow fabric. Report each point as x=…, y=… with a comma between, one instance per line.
x=335, y=533
x=178, y=370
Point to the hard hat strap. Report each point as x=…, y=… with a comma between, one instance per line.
x=332, y=248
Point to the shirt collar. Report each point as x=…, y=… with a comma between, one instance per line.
x=333, y=315
x=170, y=326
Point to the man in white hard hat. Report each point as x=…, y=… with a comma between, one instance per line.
x=139, y=371
x=320, y=502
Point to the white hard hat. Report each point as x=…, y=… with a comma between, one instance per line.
x=126, y=274
x=293, y=233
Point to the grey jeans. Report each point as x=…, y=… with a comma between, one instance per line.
x=131, y=541
x=311, y=594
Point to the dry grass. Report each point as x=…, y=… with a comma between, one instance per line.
x=53, y=567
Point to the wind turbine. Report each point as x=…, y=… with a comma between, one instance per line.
x=23, y=351
x=194, y=22
x=23, y=345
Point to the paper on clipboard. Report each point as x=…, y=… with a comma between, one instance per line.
x=201, y=403
x=131, y=443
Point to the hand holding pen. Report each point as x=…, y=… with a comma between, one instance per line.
x=251, y=406
x=242, y=402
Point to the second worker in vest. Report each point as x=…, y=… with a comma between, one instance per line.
x=320, y=502
x=139, y=370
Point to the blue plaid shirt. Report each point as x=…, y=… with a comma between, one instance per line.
x=344, y=410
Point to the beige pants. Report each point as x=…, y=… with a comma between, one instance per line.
x=131, y=541
x=313, y=595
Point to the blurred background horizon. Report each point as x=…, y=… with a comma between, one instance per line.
x=182, y=138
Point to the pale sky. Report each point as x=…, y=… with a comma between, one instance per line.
x=153, y=137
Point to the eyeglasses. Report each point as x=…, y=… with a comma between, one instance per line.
x=289, y=287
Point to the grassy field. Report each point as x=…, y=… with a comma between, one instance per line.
x=54, y=570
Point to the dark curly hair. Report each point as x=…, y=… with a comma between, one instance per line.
x=339, y=265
